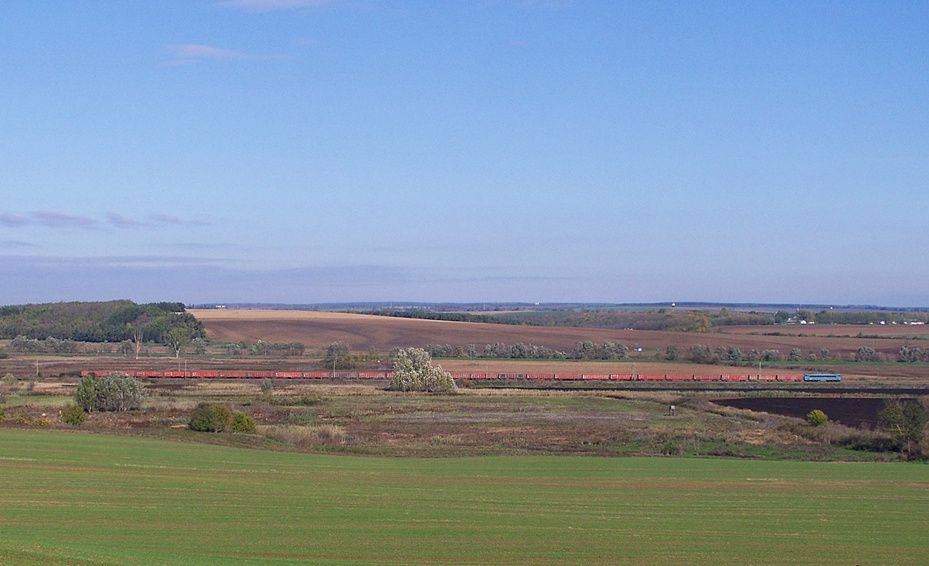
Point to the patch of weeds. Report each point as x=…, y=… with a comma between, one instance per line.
x=295, y=400
x=302, y=417
x=305, y=436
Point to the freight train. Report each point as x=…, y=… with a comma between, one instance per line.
x=385, y=375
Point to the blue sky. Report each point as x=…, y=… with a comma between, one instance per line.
x=363, y=150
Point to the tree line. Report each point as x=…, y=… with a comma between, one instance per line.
x=111, y=321
x=683, y=320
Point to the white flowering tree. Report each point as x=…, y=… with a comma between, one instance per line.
x=413, y=371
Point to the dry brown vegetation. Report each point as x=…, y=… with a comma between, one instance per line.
x=364, y=419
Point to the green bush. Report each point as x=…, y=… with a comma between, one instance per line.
x=2, y=414
x=210, y=418
x=869, y=442
x=86, y=394
x=816, y=418
x=73, y=415
x=242, y=422
x=112, y=392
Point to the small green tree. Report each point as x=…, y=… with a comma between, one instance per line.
x=413, y=371
x=86, y=394
x=73, y=415
x=112, y=392
x=817, y=418
x=177, y=339
x=119, y=392
x=210, y=418
x=907, y=422
x=242, y=422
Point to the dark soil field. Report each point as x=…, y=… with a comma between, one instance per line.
x=849, y=411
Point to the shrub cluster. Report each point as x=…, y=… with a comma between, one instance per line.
x=908, y=422
x=413, y=371
x=271, y=349
x=209, y=417
x=49, y=345
x=112, y=392
x=73, y=415
x=817, y=418
x=338, y=356
x=604, y=351
x=912, y=354
x=216, y=417
x=242, y=422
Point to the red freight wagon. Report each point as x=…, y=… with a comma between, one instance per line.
x=621, y=376
x=288, y=374
x=679, y=377
x=260, y=374
x=789, y=377
x=649, y=377
x=372, y=375
x=204, y=374
x=595, y=376
x=540, y=376
x=707, y=377
x=568, y=376
x=233, y=374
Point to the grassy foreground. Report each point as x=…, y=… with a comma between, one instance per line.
x=88, y=499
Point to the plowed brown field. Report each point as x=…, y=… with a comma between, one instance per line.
x=366, y=332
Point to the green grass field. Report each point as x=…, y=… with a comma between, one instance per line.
x=88, y=499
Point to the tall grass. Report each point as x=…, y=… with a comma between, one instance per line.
x=305, y=436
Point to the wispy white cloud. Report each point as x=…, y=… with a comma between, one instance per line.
x=16, y=244
x=13, y=220
x=272, y=5
x=198, y=51
x=58, y=219
x=186, y=53
x=162, y=218
x=121, y=221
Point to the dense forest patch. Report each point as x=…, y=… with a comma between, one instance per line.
x=111, y=321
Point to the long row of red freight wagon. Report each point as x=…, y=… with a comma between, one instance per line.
x=374, y=375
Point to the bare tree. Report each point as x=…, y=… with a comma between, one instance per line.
x=137, y=335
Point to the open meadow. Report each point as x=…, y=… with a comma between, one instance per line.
x=348, y=472
x=72, y=498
